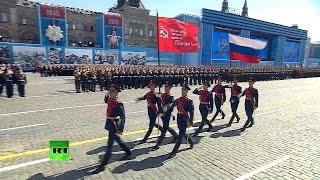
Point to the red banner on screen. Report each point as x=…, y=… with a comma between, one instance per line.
x=177, y=37
x=52, y=12
x=112, y=20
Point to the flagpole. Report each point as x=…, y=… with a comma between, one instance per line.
x=158, y=46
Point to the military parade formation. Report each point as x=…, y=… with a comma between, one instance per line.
x=162, y=105
x=116, y=78
x=9, y=76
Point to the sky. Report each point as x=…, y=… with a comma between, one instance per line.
x=305, y=13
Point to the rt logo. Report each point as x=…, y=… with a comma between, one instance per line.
x=59, y=151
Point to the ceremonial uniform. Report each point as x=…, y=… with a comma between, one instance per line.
x=234, y=102
x=84, y=81
x=206, y=105
x=251, y=103
x=115, y=122
x=77, y=81
x=153, y=105
x=21, y=81
x=185, y=116
x=8, y=77
x=166, y=101
x=219, y=99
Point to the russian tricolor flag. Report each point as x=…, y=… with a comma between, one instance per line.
x=245, y=49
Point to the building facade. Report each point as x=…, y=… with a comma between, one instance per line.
x=21, y=22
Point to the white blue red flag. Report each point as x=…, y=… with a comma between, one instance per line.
x=245, y=49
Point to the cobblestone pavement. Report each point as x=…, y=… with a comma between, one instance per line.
x=283, y=144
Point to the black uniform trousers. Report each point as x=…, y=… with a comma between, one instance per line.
x=84, y=85
x=234, y=101
x=204, y=110
x=77, y=84
x=182, y=126
x=217, y=102
x=112, y=137
x=152, y=117
x=21, y=88
x=249, y=111
x=166, y=127
x=9, y=88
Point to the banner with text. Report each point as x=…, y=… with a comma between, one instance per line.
x=113, y=31
x=177, y=37
x=52, y=25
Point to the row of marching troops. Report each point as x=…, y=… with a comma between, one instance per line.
x=10, y=75
x=162, y=105
x=87, y=77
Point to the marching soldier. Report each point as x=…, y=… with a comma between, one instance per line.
x=205, y=107
x=84, y=81
x=234, y=100
x=92, y=81
x=251, y=103
x=153, y=101
x=77, y=80
x=219, y=98
x=166, y=100
x=185, y=115
x=8, y=78
x=115, y=121
x=21, y=81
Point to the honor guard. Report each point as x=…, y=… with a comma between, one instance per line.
x=84, y=81
x=219, y=98
x=185, y=115
x=77, y=80
x=205, y=107
x=154, y=103
x=166, y=101
x=21, y=81
x=115, y=122
x=251, y=103
x=8, y=78
x=234, y=100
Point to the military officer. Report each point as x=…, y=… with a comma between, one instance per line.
x=166, y=101
x=185, y=115
x=236, y=91
x=115, y=122
x=77, y=80
x=251, y=103
x=154, y=103
x=219, y=98
x=21, y=81
x=8, y=78
x=205, y=107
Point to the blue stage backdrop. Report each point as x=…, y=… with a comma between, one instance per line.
x=220, y=46
x=292, y=52
x=52, y=22
x=264, y=53
x=113, y=33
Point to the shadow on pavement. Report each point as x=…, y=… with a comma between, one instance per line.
x=230, y=133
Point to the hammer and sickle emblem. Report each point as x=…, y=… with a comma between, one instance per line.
x=164, y=33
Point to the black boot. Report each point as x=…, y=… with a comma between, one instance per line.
x=127, y=156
